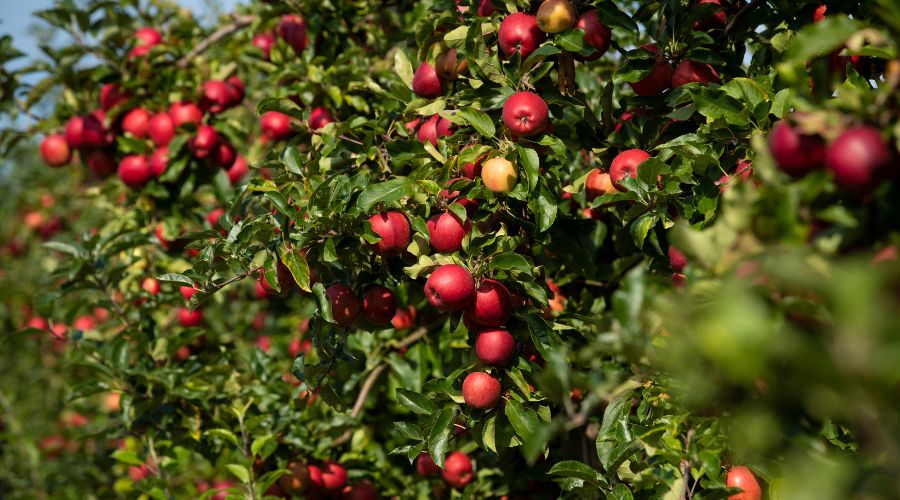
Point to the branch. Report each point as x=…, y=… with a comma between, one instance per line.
x=214, y=287
x=239, y=23
x=738, y=18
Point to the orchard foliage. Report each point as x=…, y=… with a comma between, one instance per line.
x=597, y=249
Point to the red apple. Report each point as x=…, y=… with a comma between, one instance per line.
x=87, y=132
x=150, y=285
x=333, y=476
x=204, y=142
x=394, y=231
x=819, y=14
x=345, y=304
x=446, y=232
x=426, y=82
x=425, y=465
x=713, y=22
x=435, y=127
x=216, y=96
x=161, y=129
x=492, y=304
x=275, y=126
x=188, y=318
x=495, y=347
x=743, y=478
x=486, y=8
x=319, y=117
x=187, y=292
x=598, y=183
x=101, y=162
x=159, y=160
x=147, y=36
x=519, y=33
x=458, y=470
x=473, y=170
x=264, y=42
x=296, y=481
x=694, y=72
x=626, y=164
x=238, y=170
x=292, y=29
x=481, y=391
x=857, y=156
x=677, y=259
x=795, y=152
x=223, y=155
x=404, y=318
x=450, y=288
x=111, y=96
x=55, y=150
x=137, y=122
x=525, y=114
x=185, y=112
x=134, y=171
x=596, y=34
x=379, y=305
x=449, y=66
x=659, y=79
x=363, y=490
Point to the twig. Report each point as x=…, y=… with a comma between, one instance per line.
x=738, y=18
x=251, y=486
x=239, y=23
x=27, y=111
x=214, y=287
x=115, y=305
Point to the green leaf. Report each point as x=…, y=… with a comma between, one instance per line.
x=524, y=420
x=385, y=192
x=510, y=261
x=409, y=430
x=642, y=226
x=178, y=279
x=818, y=39
x=225, y=434
x=127, y=457
x=488, y=433
x=324, y=302
x=439, y=437
x=479, y=120
x=530, y=163
x=415, y=402
x=263, y=446
x=299, y=268
x=239, y=472
x=64, y=248
x=578, y=470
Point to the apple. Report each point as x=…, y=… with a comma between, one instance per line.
x=83, y=323
x=741, y=477
x=425, y=465
x=473, y=170
x=404, y=318
x=264, y=42
x=215, y=97
x=435, y=127
x=596, y=34
x=795, y=153
x=150, y=285
x=363, y=490
x=111, y=96
x=379, y=305
x=55, y=150
x=185, y=112
x=137, y=122
x=319, y=117
x=159, y=160
x=556, y=16
x=204, y=142
x=486, y=8
x=458, y=470
x=448, y=65
x=525, y=114
x=134, y=171
x=598, y=183
x=480, y=390
x=450, y=288
x=492, y=304
x=187, y=292
x=292, y=29
x=689, y=71
x=275, y=126
x=426, y=82
x=139, y=51
x=626, y=164
x=819, y=14
x=677, y=259
x=744, y=171
x=519, y=33
x=499, y=175
x=264, y=342
x=161, y=129
x=223, y=155
x=713, y=22
x=856, y=157
x=188, y=318
x=147, y=36
x=328, y=476
x=394, y=231
x=495, y=347
x=345, y=305
x=238, y=170
x=446, y=232
x=659, y=79
x=87, y=132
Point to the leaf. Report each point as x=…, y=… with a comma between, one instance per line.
x=528, y=159
x=524, y=420
x=385, y=192
x=127, y=457
x=615, y=18
x=324, y=302
x=439, y=437
x=263, y=446
x=479, y=120
x=488, y=433
x=642, y=226
x=224, y=433
x=178, y=279
x=408, y=430
x=577, y=470
x=509, y=261
x=64, y=248
x=239, y=472
x=818, y=39
x=416, y=402
x=299, y=268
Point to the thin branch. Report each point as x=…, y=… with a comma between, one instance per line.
x=239, y=23
x=738, y=18
x=214, y=287
x=27, y=111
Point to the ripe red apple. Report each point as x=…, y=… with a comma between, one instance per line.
x=856, y=157
x=394, y=231
x=626, y=164
x=111, y=96
x=161, y=129
x=216, y=96
x=319, y=117
x=495, y=347
x=677, y=259
x=450, y=288
x=519, y=33
x=150, y=285
x=426, y=82
x=795, y=152
x=492, y=304
x=204, y=142
x=55, y=150
x=139, y=51
x=345, y=304
x=134, y=170
x=275, y=126
x=137, y=122
x=499, y=175
x=596, y=34
x=404, y=318
x=433, y=128
x=223, y=155
x=185, y=112
x=525, y=114
x=741, y=477
x=556, y=16
x=147, y=36
x=480, y=390
x=292, y=29
x=101, y=162
x=446, y=232
x=238, y=170
x=264, y=42
x=473, y=170
x=486, y=8
x=425, y=465
x=689, y=71
x=713, y=22
x=598, y=183
x=84, y=323
x=743, y=172
x=659, y=79
x=379, y=305
x=363, y=490
x=188, y=318
x=819, y=14
x=187, y=292
x=329, y=476
x=159, y=160
x=87, y=132
x=458, y=470
x=448, y=65
x=296, y=481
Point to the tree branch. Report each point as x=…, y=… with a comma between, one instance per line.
x=239, y=23
x=738, y=18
